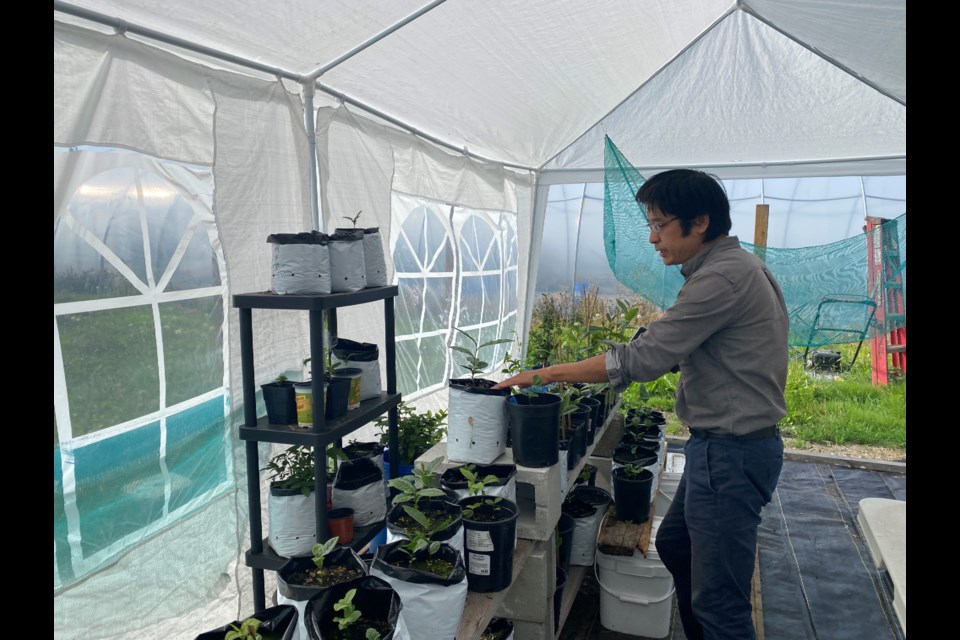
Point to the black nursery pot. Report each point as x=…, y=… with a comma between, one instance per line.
x=565, y=530
x=535, y=429
x=489, y=541
x=281, y=402
x=338, y=393
x=595, y=423
x=558, y=596
x=633, y=495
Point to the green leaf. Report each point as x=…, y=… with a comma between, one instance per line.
x=466, y=335
x=462, y=350
x=417, y=515
x=403, y=485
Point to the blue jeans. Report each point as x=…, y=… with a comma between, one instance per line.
x=708, y=538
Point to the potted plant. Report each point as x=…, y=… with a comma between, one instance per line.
x=490, y=534
x=430, y=578
x=478, y=414
x=422, y=508
x=300, y=579
x=631, y=489
x=373, y=256
x=290, y=506
x=279, y=397
x=417, y=432
x=365, y=608
x=273, y=623
x=499, y=479
x=531, y=413
x=300, y=264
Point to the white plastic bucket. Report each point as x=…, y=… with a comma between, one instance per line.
x=636, y=595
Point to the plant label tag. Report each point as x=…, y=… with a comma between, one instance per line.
x=479, y=541
x=479, y=564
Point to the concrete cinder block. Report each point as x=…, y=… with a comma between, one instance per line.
x=533, y=630
x=530, y=596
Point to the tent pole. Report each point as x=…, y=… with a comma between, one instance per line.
x=308, y=121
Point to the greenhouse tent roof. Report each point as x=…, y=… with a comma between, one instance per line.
x=784, y=87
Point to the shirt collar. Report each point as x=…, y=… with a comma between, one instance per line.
x=721, y=243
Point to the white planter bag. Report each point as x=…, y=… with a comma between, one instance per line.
x=373, y=257
x=347, y=269
x=432, y=607
x=476, y=425
x=584, y=545
x=292, y=523
x=364, y=356
x=366, y=496
x=300, y=264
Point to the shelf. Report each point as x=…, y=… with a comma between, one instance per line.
x=368, y=411
x=320, y=302
x=255, y=429
x=480, y=607
x=269, y=559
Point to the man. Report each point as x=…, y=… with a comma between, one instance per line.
x=728, y=332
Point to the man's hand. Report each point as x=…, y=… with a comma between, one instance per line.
x=522, y=380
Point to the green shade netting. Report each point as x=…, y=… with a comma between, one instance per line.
x=831, y=294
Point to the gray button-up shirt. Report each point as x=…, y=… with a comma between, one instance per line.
x=728, y=332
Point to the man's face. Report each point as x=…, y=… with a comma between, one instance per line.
x=670, y=243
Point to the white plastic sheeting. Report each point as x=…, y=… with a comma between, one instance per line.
x=750, y=89
x=689, y=81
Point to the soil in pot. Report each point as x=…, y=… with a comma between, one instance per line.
x=340, y=565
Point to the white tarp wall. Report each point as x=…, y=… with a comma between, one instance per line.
x=452, y=228
x=226, y=155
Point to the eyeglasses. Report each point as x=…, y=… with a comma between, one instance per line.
x=658, y=227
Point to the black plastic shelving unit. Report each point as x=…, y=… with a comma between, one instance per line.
x=260, y=556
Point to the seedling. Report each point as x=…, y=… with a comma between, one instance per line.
x=322, y=550
x=246, y=631
x=476, y=485
x=422, y=484
x=489, y=502
x=354, y=218
x=350, y=613
x=473, y=362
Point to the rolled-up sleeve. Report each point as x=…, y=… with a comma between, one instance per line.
x=618, y=381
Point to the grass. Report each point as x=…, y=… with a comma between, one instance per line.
x=846, y=409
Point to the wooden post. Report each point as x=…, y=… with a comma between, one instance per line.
x=760, y=231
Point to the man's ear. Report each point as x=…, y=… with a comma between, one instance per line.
x=700, y=224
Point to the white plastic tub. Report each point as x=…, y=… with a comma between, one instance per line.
x=669, y=481
x=636, y=594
